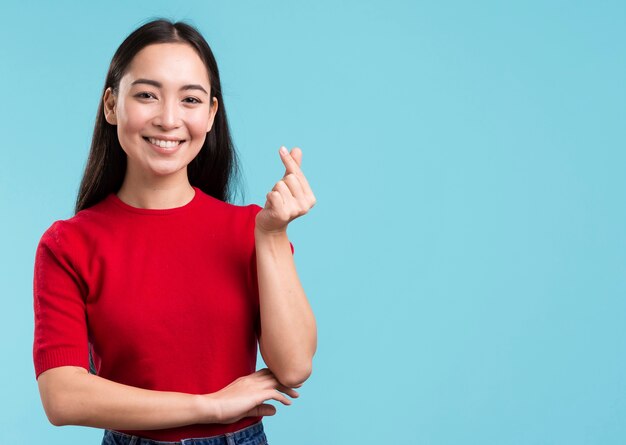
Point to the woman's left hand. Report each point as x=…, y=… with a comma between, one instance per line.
x=290, y=198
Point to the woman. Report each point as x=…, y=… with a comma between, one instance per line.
x=157, y=281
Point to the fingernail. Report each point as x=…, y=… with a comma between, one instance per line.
x=283, y=150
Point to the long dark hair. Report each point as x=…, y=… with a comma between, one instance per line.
x=214, y=170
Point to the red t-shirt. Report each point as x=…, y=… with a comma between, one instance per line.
x=167, y=299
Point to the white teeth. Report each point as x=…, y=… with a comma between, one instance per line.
x=164, y=144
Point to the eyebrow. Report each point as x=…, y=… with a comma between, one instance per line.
x=160, y=85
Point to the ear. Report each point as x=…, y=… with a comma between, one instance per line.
x=212, y=113
x=110, y=102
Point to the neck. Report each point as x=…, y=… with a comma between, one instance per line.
x=158, y=193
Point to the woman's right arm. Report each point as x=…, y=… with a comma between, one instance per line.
x=73, y=396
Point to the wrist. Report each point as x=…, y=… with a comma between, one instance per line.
x=207, y=407
x=279, y=233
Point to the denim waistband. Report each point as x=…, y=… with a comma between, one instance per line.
x=251, y=435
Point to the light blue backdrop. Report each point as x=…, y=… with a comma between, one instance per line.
x=467, y=257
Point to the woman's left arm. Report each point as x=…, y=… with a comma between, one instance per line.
x=288, y=337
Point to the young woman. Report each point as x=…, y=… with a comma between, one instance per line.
x=151, y=300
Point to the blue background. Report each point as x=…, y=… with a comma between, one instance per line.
x=466, y=259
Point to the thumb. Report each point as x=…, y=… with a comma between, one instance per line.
x=296, y=154
x=265, y=409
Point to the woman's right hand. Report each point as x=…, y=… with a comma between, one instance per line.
x=245, y=397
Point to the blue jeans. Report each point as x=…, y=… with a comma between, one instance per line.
x=252, y=435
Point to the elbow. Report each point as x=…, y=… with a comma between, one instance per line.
x=58, y=408
x=56, y=421
x=296, y=376
x=56, y=398
x=54, y=410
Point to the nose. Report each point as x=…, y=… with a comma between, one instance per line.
x=168, y=116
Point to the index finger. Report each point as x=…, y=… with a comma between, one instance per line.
x=290, y=163
x=292, y=166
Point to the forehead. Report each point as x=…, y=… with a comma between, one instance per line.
x=168, y=63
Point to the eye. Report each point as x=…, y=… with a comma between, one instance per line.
x=144, y=95
x=193, y=100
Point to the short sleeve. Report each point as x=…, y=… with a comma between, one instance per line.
x=60, y=337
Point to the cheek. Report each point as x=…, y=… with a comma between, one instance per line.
x=131, y=120
x=198, y=125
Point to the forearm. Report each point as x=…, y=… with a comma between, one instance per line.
x=288, y=330
x=72, y=396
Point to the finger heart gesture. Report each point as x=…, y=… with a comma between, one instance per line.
x=290, y=198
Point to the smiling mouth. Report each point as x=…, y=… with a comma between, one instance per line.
x=162, y=143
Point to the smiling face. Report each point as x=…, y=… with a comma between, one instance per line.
x=162, y=111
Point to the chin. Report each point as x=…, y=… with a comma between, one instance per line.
x=167, y=171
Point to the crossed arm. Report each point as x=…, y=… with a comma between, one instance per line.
x=288, y=333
